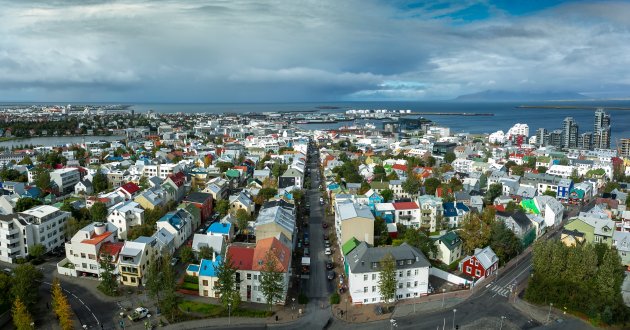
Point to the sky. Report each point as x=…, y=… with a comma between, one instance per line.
x=311, y=50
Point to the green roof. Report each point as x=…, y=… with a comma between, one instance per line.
x=451, y=240
x=379, y=185
x=530, y=206
x=348, y=246
x=233, y=173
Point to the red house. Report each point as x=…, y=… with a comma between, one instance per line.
x=129, y=190
x=202, y=201
x=480, y=265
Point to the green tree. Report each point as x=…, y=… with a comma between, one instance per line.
x=26, y=203
x=504, y=242
x=98, y=212
x=226, y=284
x=161, y=284
x=267, y=193
x=224, y=166
x=26, y=284
x=42, y=178
x=222, y=207
x=387, y=284
x=475, y=230
x=495, y=190
x=37, y=251
x=186, y=254
x=206, y=252
x=99, y=182
x=518, y=170
x=5, y=287
x=242, y=220
x=549, y=193
x=22, y=319
x=412, y=185
x=420, y=240
x=388, y=195
x=108, y=284
x=380, y=231
x=542, y=169
x=449, y=157
x=430, y=185
x=271, y=279
x=513, y=207
x=26, y=161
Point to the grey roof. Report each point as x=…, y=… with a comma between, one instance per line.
x=361, y=259
x=277, y=215
x=526, y=191
x=348, y=210
x=486, y=256
x=520, y=218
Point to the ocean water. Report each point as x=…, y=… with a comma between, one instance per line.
x=506, y=114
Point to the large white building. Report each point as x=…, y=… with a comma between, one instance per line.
x=65, y=179
x=84, y=249
x=518, y=129
x=363, y=264
x=160, y=170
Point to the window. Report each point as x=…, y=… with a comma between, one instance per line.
x=409, y=273
x=409, y=262
x=249, y=276
x=477, y=272
x=83, y=255
x=374, y=288
x=468, y=269
x=365, y=289
x=255, y=277
x=365, y=300
x=402, y=262
x=373, y=277
x=373, y=299
x=365, y=277
x=374, y=264
x=400, y=285
x=204, y=283
x=400, y=273
x=408, y=295
x=415, y=272
x=415, y=283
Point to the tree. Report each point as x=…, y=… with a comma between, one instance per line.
x=26, y=161
x=387, y=284
x=504, y=242
x=411, y=185
x=513, y=207
x=271, y=279
x=5, y=288
x=518, y=170
x=388, y=195
x=99, y=182
x=22, y=319
x=242, y=220
x=98, y=212
x=42, y=178
x=542, y=169
x=550, y=193
x=391, y=176
x=495, y=190
x=26, y=284
x=60, y=306
x=449, y=157
x=430, y=185
x=476, y=230
x=222, y=207
x=380, y=230
x=206, y=252
x=37, y=251
x=160, y=282
x=26, y=203
x=186, y=254
x=108, y=284
x=226, y=284
x=224, y=166
x=420, y=240
x=267, y=193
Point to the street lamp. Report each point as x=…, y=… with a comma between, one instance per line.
x=501, y=325
x=443, y=296
x=454, y=311
x=229, y=313
x=293, y=303
x=549, y=312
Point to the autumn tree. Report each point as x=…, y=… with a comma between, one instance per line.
x=22, y=319
x=61, y=306
x=475, y=230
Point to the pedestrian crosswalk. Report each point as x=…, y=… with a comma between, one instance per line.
x=501, y=290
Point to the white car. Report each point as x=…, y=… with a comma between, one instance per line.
x=328, y=251
x=139, y=313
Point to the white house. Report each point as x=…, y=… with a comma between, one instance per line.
x=84, y=249
x=47, y=225
x=363, y=264
x=124, y=216
x=178, y=223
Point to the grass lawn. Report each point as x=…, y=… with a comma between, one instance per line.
x=210, y=310
x=190, y=286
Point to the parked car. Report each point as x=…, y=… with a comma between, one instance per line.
x=306, y=252
x=326, y=237
x=306, y=241
x=321, y=201
x=324, y=225
x=139, y=313
x=328, y=251
x=331, y=275
x=330, y=265
x=174, y=261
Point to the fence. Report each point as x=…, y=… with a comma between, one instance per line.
x=447, y=276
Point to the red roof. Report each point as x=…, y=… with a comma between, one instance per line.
x=178, y=178
x=399, y=167
x=130, y=188
x=112, y=249
x=97, y=238
x=242, y=168
x=405, y=206
x=440, y=192
x=241, y=256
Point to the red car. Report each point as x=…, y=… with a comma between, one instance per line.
x=325, y=225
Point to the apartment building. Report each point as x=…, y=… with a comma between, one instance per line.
x=48, y=225
x=84, y=249
x=124, y=216
x=65, y=179
x=134, y=258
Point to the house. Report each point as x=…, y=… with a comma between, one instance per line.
x=454, y=213
x=178, y=182
x=517, y=222
x=550, y=209
x=83, y=187
x=223, y=229
x=178, y=223
x=194, y=212
x=242, y=201
x=165, y=241
x=352, y=220
x=218, y=188
x=595, y=230
x=621, y=242
x=291, y=177
x=385, y=211
x=373, y=198
x=207, y=273
x=449, y=247
x=363, y=265
x=134, y=259
x=431, y=211
x=203, y=201
x=572, y=237
x=125, y=215
x=273, y=221
x=151, y=198
x=407, y=214
x=84, y=249
x=564, y=189
x=216, y=243
x=483, y=263
x=129, y=190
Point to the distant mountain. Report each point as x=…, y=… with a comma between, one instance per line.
x=496, y=96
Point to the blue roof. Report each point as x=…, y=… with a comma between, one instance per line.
x=208, y=267
x=173, y=218
x=450, y=208
x=192, y=268
x=220, y=228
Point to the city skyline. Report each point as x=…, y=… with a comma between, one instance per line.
x=179, y=51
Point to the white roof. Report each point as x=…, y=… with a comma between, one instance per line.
x=486, y=257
